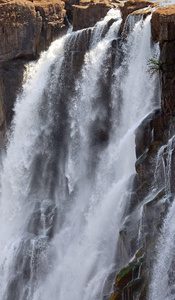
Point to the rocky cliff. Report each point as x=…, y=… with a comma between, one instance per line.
x=26, y=29
x=154, y=146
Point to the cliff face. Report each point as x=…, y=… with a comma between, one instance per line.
x=20, y=28
x=135, y=6
x=87, y=13
x=153, y=143
x=26, y=29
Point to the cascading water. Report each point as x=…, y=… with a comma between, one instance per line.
x=70, y=155
x=163, y=269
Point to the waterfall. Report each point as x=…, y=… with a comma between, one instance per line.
x=163, y=268
x=69, y=158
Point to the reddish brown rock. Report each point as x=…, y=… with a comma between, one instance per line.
x=20, y=28
x=89, y=12
x=163, y=24
x=163, y=30
x=131, y=6
x=26, y=29
x=53, y=13
x=24, y=24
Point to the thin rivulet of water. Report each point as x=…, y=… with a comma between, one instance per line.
x=162, y=183
x=68, y=162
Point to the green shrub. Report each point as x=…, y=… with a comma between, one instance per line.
x=154, y=65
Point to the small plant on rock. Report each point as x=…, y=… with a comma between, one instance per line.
x=154, y=65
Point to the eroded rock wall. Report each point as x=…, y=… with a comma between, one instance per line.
x=87, y=13
x=27, y=27
x=153, y=185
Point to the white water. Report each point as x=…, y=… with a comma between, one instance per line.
x=163, y=269
x=69, y=158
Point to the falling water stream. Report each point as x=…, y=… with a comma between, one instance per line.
x=70, y=155
x=163, y=269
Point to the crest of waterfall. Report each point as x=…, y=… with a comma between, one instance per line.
x=70, y=156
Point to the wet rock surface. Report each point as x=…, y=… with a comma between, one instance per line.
x=153, y=185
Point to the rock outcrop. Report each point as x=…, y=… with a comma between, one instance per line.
x=53, y=14
x=163, y=24
x=88, y=12
x=163, y=31
x=26, y=29
x=132, y=6
x=20, y=29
